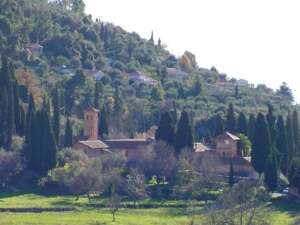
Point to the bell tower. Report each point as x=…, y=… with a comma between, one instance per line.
x=91, y=118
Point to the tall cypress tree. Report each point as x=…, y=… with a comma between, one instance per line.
x=165, y=131
x=282, y=145
x=296, y=134
x=230, y=119
x=261, y=144
x=17, y=113
x=290, y=137
x=271, y=119
x=7, y=121
x=219, y=125
x=231, y=175
x=271, y=171
x=29, y=119
x=251, y=127
x=103, y=123
x=68, y=138
x=98, y=93
x=242, y=124
x=56, y=117
x=184, y=135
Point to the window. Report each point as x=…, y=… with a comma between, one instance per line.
x=227, y=142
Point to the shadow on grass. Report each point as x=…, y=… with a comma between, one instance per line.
x=283, y=204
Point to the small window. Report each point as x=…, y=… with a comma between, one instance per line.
x=227, y=142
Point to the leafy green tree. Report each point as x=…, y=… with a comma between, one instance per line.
x=68, y=139
x=230, y=119
x=282, y=145
x=242, y=124
x=165, y=131
x=184, y=134
x=261, y=144
x=157, y=93
x=244, y=145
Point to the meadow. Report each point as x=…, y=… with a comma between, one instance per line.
x=281, y=212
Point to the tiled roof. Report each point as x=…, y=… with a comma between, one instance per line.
x=229, y=135
x=127, y=143
x=94, y=144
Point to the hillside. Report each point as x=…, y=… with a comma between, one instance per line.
x=55, y=46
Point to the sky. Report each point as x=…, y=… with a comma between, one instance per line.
x=257, y=40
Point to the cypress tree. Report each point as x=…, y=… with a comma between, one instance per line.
x=98, y=93
x=219, y=125
x=290, y=137
x=17, y=113
x=118, y=107
x=68, y=139
x=56, y=117
x=231, y=175
x=29, y=119
x=242, y=124
x=165, y=131
x=103, y=124
x=271, y=171
x=296, y=128
x=261, y=144
x=282, y=145
x=271, y=119
x=237, y=92
x=230, y=119
x=184, y=135
x=22, y=121
x=251, y=127
x=7, y=121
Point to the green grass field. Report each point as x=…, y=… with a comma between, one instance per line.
x=281, y=212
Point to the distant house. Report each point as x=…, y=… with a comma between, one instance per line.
x=34, y=50
x=138, y=77
x=173, y=72
x=227, y=145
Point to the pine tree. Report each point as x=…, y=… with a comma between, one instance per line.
x=165, y=131
x=103, y=122
x=251, y=127
x=56, y=117
x=230, y=119
x=261, y=144
x=231, y=175
x=184, y=135
x=271, y=171
x=296, y=127
x=242, y=124
x=68, y=138
x=282, y=145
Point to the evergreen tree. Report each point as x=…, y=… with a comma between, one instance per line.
x=282, y=145
x=237, y=92
x=271, y=119
x=29, y=119
x=118, y=107
x=56, y=117
x=219, y=125
x=231, y=175
x=103, y=122
x=251, y=127
x=184, y=135
x=42, y=144
x=22, y=121
x=294, y=173
x=296, y=134
x=152, y=37
x=98, y=93
x=7, y=121
x=230, y=119
x=242, y=124
x=271, y=171
x=261, y=144
x=17, y=113
x=68, y=139
x=290, y=137
x=165, y=131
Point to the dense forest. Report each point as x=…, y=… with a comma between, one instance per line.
x=57, y=61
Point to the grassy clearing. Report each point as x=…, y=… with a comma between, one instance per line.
x=281, y=211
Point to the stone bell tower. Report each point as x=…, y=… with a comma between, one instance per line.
x=91, y=118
